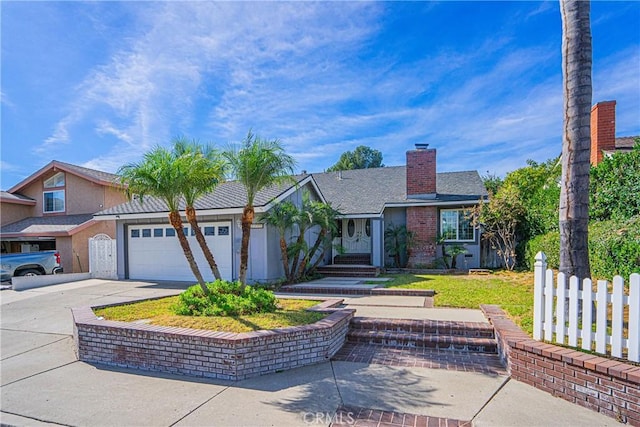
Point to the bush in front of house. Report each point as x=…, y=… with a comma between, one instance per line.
x=225, y=299
x=614, y=248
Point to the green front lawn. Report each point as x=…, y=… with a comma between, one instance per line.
x=292, y=312
x=512, y=291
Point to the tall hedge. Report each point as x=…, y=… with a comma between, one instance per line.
x=614, y=248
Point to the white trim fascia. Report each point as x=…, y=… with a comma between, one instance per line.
x=433, y=203
x=356, y=216
x=152, y=215
x=298, y=185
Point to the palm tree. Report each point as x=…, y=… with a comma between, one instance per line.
x=158, y=175
x=281, y=217
x=576, y=147
x=257, y=164
x=204, y=169
x=323, y=216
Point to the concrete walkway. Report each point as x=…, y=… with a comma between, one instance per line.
x=42, y=382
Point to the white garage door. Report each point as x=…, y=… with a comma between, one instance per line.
x=155, y=252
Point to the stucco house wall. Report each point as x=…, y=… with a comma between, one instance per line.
x=12, y=212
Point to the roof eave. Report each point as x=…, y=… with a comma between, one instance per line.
x=57, y=166
x=18, y=201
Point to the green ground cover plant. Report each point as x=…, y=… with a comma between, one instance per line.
x=225, y=299
x=513, y=291
x=290, y=312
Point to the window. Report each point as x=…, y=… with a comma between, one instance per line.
x=157, y=232
x=53, y=201
x=456, y=225
x=223, y=231
x=56, y=180
x=135, y=233
x=170, y=232
x=351, y=228
x=209, y=231
x=146, y=232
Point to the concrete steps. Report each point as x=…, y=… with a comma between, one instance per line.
x=351, y=259
x=471, y=337
x=349, y=270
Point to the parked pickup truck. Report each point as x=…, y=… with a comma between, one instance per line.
x=29, y=264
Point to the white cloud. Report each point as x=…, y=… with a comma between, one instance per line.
x=290, y=70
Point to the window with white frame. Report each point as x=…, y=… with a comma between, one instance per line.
x=53, y=201
x=56, y=180
x=456, y=225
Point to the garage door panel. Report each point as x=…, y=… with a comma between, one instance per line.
x=155, y=253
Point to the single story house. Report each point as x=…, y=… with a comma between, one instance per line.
x=370, y=200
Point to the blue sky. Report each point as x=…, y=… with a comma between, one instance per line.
x=99, y=83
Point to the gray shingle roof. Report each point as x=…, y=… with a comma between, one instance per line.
x=362, y=191
x=46, y=224
x=366, y=191
x=92, y=173
x=97, y=176
x=625, y=142
x=227, y=195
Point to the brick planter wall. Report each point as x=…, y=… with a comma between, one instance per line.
x=608, y=386
x=201, y=353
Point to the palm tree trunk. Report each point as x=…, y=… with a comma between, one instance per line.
x=176, y=222
x=576, y=144
x=193, y=221
x=285, y=257
x=296, y=259
x=312, y=252
x=248, y=214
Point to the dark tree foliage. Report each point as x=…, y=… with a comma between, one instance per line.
x=361, y=158
x=615, y=186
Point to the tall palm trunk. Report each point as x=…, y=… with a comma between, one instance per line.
x=285, y=256
x=576, y=147
x=191, y=217
x=248, y=213
x=321, y=234
x=176, y=222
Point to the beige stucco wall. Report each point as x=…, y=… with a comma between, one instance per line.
x=81, y=196
x=12, y=212
x=63, y=246
x=80, y=244
x=113, y=197
x=34, y=190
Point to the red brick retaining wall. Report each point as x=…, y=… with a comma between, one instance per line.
x=608, y=386
x=201, y=353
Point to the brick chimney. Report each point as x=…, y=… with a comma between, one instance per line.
x=603, y=130
x=421, y=171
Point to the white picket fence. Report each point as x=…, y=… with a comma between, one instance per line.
x=551, y=316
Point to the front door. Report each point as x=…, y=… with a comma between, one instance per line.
x=356, y=236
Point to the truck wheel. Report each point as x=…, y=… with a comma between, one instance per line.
x=30, y=272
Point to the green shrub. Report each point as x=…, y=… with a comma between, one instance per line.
x=549, y=244
x=614, y=248
x=225, y=299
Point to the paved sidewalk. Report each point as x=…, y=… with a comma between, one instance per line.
x=42, y=382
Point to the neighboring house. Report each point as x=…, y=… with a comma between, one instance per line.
x=53, y=209
x=603, y=133
x=369, y=199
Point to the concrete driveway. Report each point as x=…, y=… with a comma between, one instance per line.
x=42, y=382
